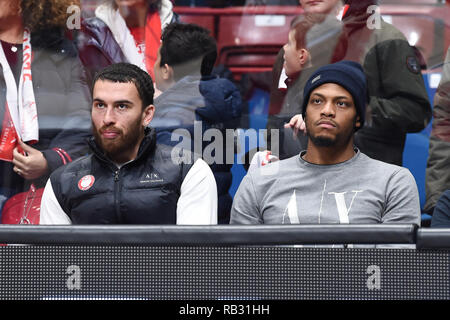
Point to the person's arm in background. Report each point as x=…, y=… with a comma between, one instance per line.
x=399, y=97
x=93, y=55
x=65, y=126
x=441, y=215
x=75, y=125
x=437, y=178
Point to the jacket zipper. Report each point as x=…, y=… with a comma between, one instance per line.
x=117, y=195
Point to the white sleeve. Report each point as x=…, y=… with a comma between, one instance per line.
x=51, y=212
x=197, y=204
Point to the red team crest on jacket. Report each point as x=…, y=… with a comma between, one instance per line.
x=86, y=182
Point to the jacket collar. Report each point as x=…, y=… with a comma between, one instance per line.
x=148, y=145
x=291, y=80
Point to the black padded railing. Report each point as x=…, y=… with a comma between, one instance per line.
x=209, y=235
x=433, y=238
x=224, y=262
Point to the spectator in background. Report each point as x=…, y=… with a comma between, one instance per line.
x=44, y=99
x=398, y=100
x=189, y=93
x=332, y=181
x=441, y=214
x=124, y=31
x=297, y=68
x=319, y=39
x=437, y=178
x=128, y=178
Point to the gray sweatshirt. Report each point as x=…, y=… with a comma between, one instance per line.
x=358, y=191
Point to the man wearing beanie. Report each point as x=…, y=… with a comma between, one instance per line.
x=330, y=182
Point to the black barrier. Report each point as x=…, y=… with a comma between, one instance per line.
x=433, y=238
x=209, y=235
x=221, y=263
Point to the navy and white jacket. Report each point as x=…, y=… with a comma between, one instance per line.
x=151, y=189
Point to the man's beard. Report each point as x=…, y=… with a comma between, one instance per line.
x=322, y=141
x=122, y=144
x=343, y=138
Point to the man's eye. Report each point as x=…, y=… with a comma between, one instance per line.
x=99, y=105
x=122, y=106
x=316, y=100
x=342, y=104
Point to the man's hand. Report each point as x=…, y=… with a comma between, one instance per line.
x=296, y=124
x=262, y=158
x=30, y=166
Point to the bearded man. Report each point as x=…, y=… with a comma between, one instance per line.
x=128, y=178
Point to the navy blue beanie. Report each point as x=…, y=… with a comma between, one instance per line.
x=347, y=74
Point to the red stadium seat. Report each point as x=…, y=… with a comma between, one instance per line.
x=205, y=17
x=249, y=39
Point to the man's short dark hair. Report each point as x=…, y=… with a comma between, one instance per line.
x=186, y=42
x=301, y=26
x=126, y=72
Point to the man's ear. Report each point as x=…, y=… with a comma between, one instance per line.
x=358, y=122
x=167, y=72
x=147, y=115
x=303, y=56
